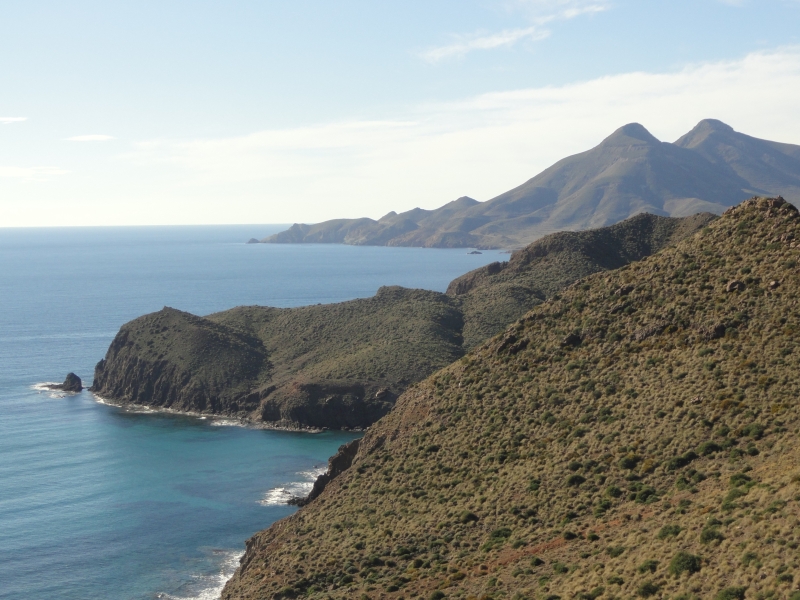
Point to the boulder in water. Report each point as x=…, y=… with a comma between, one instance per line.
x=72, y=383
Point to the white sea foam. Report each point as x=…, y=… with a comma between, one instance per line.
x=44, y=388
x=282, y=494
x=220, y=422
x=208, y=586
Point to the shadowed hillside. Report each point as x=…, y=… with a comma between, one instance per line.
x=343, y=365
x=630, y=172
x=634, y=437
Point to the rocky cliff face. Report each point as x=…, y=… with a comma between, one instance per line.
x=336, y=366
x=343, y=365
x=172, y=359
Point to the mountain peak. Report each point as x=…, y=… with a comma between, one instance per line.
x=630, y=134
x=714, y=125
x=702, y=131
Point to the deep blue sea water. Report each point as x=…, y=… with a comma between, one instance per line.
x=101, y=503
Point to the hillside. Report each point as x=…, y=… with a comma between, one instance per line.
x=500, y=293
x=634, y=437
x=707, y=170
x=344, y=365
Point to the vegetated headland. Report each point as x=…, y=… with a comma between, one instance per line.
x=343, y=366
x=709, y=169
x=635, y=435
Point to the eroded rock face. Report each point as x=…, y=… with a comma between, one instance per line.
x=337, y=465
x=172, y=359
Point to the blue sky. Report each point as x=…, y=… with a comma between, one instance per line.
x=169, y=112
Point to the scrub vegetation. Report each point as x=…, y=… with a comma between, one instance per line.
x=344, y=365
x=633, y=437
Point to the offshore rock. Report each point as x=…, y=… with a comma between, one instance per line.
x=72, y=383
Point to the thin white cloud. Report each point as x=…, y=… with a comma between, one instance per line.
x=539, y=14
x=466, y=44
x=90, y=138
x=9, y=120
x=481, y=146
x=30, y=172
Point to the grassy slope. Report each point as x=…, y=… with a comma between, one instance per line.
x=498, y=294
x=579, y=454
x=343, y=365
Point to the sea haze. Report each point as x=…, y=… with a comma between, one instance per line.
x=98, y=502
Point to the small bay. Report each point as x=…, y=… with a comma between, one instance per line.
x=100, y=502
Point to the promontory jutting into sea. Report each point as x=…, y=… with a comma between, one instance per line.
x=398, y=408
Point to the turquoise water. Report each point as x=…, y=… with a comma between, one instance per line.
x=98, y=502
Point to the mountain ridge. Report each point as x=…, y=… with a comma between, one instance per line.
x=709, y=169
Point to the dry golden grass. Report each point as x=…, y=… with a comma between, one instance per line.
x=635, y=437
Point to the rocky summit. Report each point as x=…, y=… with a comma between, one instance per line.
x=344, y=365
x=634, y=436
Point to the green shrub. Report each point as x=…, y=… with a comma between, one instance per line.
x=731, y=593
x=749, y=557
x=710, y=534
x=500, y=534
x=739, y=479
x=629, y=462
x=615, y=551
x=437, y=595
x=729, y=502
x=678, y=462
x=560, y=568
x=647, y=589
x=683, y=562
x=648, y=566
x=646, y=495
x=668, y=531
x=754, y=430
x=468, y=517
x=575, y=480
x=707, y=448
x=616, y=580
x=601, y=507
x=613, y=491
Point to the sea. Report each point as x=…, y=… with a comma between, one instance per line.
x=99, y=502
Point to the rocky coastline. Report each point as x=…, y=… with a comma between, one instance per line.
x=343, y=366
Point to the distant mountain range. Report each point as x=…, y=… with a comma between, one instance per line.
x=709, y=169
